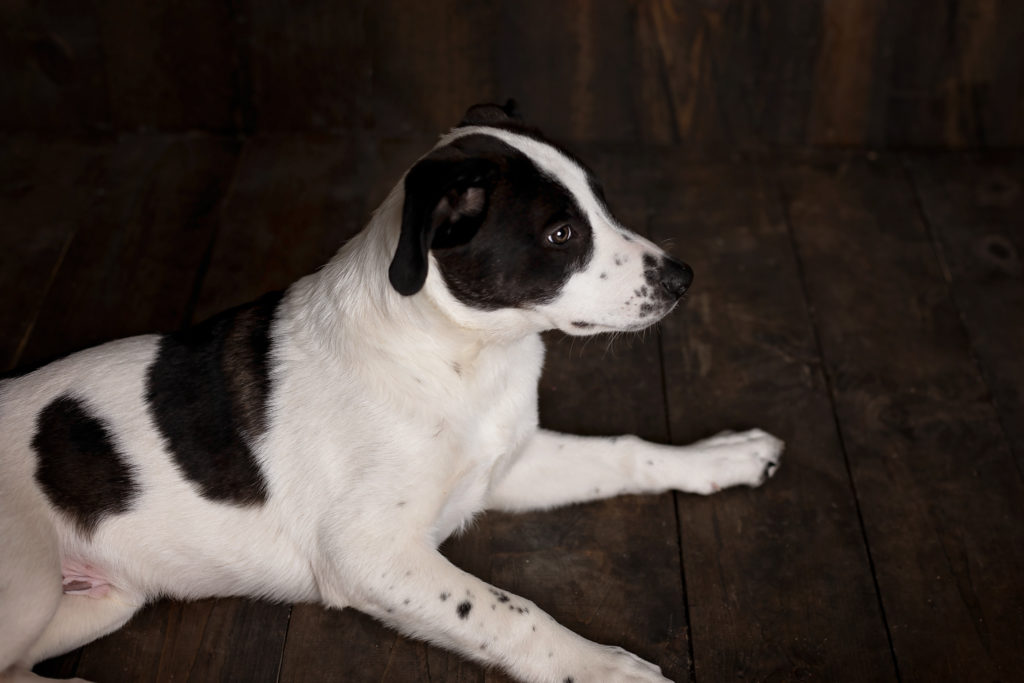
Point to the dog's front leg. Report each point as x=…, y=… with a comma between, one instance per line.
x=558, y=469
x=420, y=593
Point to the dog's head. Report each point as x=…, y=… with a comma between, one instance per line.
x=510, y=222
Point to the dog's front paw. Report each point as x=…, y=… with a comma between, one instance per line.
x=615, y=665
x=741, y=458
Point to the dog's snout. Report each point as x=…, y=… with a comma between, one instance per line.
x=676, y=277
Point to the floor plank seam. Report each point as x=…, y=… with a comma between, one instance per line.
x=284, y=644
x=691, y=667
x=784, y=202
x=972, y=350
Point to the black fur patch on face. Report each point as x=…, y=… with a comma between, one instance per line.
x=207, y=393
x=509, y=261
x=78, y=467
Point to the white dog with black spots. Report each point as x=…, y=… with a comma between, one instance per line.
x=320, y=443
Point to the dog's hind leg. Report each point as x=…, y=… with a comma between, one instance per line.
x=30, y=579
x=80, y=619
x=559, y=469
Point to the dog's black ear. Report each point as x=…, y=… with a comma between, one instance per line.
x=491, y=114
x=446, y=196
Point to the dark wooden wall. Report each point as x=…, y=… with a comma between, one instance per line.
x=713, y=74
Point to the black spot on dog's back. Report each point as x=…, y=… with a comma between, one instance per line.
x=78, y=467
x=207, y=393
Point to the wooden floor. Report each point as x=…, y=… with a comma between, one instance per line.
x=869, y=309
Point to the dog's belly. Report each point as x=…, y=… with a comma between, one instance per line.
x=203, y=550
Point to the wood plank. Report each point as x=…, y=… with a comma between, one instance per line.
x=143, y=242
x=305, y=67
x=763, y=57
x=975, y=208
x=206, y=640
x=169, y=64
x=841, y=110
x=293, y=203
x=429, y=64
x=778, y=579
x=52, y=76
x=46, y=188
x=941, y=498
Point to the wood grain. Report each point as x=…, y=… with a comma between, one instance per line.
x=975, y=209
x=46, y=189
x=941, y=498
x=145, y=237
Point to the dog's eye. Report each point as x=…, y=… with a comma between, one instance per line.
x=560, y=235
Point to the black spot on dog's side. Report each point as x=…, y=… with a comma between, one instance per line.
x=445, y=596
x=463, y=609
x=568, y=679
x=207, y=392
x=78, y=467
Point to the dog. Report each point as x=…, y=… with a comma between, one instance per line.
x=320, y=443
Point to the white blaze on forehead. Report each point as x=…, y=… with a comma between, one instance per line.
x=551, y=162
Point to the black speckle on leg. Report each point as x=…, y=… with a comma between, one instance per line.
x=463, y=609
x=603, y=276
x=568, y=679
x=445, y=596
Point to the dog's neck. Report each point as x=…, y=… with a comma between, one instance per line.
x=423, y=327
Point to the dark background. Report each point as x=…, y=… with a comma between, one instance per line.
x=844, y=176
x=713, y=74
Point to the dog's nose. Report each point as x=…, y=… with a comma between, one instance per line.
x=676, y=276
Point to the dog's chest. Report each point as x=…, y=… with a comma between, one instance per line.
x=498, y=415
